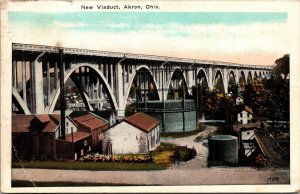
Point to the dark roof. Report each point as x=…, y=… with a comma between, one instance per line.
x=43, y=118
x=90, y=121
x=55, y=117
x=75, y=114
x=22, y=123
x=142, y=121
x=76, y=136
x=249, y=126
x=105, y=114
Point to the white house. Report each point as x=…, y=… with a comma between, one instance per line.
x=245, y=115
x=137, y=134
x=239, y=100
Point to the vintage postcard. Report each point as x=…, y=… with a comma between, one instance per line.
x=150, y=96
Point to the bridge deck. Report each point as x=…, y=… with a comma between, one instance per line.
x=76, y=51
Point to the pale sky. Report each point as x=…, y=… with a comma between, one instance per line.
x=254, y=38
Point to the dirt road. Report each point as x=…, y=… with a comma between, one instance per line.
x=200, y=161
x=200, y=176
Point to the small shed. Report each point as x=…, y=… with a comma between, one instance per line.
x=137, y=134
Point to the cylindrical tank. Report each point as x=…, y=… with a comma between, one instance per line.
x=175, y=116
x=223, y=148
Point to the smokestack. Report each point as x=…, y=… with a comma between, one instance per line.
x=62, y=94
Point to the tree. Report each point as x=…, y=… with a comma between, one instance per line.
x=234, y=91
x=282, y=66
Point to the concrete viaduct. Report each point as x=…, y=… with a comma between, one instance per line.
x=35, y=75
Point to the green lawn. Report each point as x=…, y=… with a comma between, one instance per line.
x=19, y=183
x=89, y=165
x=163, y=154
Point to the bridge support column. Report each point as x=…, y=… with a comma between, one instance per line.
x=14, y=74
x=24, y=81
x=120, y=89
x=48, y=83
x=112, y=78
x=55, y=75
x=37, y=94
x=210, y=79
x=236, y=76
x=225, y=81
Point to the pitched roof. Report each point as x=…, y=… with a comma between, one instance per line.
x=249, y=126
x=76, y=136
x=90, y=121
x=22, y=123
x=142, y=121
x=105, y=114
x=43, y=118
x=245, y=108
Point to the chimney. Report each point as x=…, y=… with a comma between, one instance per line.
x=62, y=94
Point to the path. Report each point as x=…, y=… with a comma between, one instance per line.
x=200, y=161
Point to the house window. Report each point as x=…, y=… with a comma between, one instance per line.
x=248, y=132
x=81, y=152
x=71, y=129
x=248, y=121
x=85, y=143
x=241, y=114
x=248, y=114
x=241, y=121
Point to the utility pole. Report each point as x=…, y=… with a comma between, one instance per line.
x=62, y=94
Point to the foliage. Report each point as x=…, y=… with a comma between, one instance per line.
x=234, y=91
x=182, y=153
x=129, y=110
x=282, y=66
x=269, y=97
x=163, y=154
x=279, y=100
x=136, y=158
x=257, y=97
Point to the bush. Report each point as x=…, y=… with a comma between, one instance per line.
x=128, y=158
x=183, y=153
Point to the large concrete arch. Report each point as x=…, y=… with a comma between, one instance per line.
x=218, y=71
x=255, y=76
x=231, y=72
x=131, y=80
x=233, y=76
x=201, y=70
x=249, y=78
x=22, y=104
x=69, y=72
x=171, y=76
x=177, y=69
x=244, y=80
